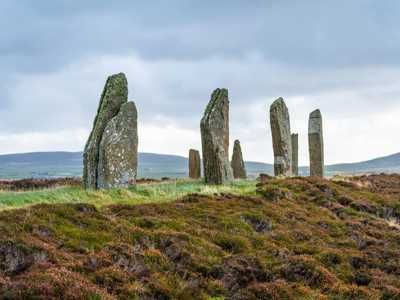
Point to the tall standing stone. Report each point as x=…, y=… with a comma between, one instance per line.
x=114, y=96
x=237, y=163
x=295, y=154
x=118, y=150
x=316, y=144
x=281, y=138
x=215, y=139
x=194, y=164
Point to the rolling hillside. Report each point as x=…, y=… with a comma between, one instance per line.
x=389, y=163
x=285, y=239
x=59, y=164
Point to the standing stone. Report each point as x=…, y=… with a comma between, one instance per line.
x=118, y=155
x=295, y=154
x=316, y=144
x=115, y=93
x=237, y=163
x=281, y=138
x=215, y=139
x=194, y=164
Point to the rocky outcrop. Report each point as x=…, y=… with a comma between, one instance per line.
x=295, y=154
x=215, y=139
x=118, y=150
x=194, y=164
x=108, y=133
x=237, y=163
x=281, y=138
x=316, y=144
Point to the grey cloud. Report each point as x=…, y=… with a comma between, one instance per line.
x=55, y=56
x=48, y=34
x=177, y=91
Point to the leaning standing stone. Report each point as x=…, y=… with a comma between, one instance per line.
x=237, y=163
x=215, y=139
x=115, y=93
x=281, y=138
x=118, y=154
x=316, y=144
x=295, y=154
x=194, y=164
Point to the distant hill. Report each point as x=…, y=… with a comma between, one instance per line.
x=60, y=164
x=390, y=163
x=151, y=165
x=386, y=164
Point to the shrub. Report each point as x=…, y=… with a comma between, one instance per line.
x=272, y=192
x=306, y=270
x=232, y=244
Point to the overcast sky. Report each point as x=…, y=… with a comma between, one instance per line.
x=342, y=57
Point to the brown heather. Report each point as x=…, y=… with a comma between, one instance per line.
x=295, y=238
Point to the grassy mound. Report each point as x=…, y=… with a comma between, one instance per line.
x=300, y=238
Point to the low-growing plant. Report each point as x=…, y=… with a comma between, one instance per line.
x=186, y=240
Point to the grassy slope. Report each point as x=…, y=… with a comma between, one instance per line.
x=144, y=193
x=298, y=238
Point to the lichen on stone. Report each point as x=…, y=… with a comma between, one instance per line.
x=111, y=149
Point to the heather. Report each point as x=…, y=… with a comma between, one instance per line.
x=294, y=238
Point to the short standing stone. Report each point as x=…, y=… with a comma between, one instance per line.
x=115, y=93
x=215, y=139
x=295, y=154
x=194, y=164
x=237, y=163
x=316, y=144
x=119, y=150
x=281, y=138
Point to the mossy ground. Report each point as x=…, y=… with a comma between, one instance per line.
x=298, y=238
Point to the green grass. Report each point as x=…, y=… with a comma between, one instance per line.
x=140, y=194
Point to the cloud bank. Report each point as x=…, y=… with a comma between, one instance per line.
x=340, y=57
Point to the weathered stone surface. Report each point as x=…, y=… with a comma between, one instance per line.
x=316, y=144
x=215, y=139
x=115, y=93
x=118, y=150
x=194, y=164
x=295, y=154
x=281, y=138
x=237, y=163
